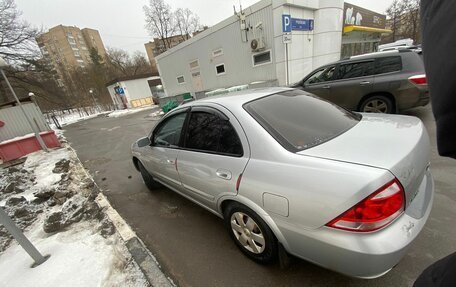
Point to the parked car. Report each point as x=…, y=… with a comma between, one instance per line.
x=382, y=82
x=287, y=170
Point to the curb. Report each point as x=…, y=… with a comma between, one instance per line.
x=142, y=256
x=145, y=260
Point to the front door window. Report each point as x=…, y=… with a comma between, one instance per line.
x=168, y=134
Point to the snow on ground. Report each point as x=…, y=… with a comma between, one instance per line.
x=158, y=113
x=41, y=164
x=66, y=119
x=79, y=256
x=120, y=113
x=52, y=199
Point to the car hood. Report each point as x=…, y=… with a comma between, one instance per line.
x=397, y=143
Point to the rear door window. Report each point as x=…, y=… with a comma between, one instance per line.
x=299, y=121
x=355, y=70
x=388, y=64
x=208, y=132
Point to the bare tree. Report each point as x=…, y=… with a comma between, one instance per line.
x=122, y=64
x=160, y=21
x=27, y=72
x=187, y=22
x=411, y=19
x=17, y=37
x=403, y=16
x=118, y=60
x=393, y=13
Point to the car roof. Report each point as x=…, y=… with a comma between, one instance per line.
x=372, y=55
x=239, y=98
x=376, y=55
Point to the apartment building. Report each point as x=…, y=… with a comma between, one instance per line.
x=158, y=46
x=68, y=47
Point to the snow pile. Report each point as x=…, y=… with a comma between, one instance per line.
x=158, y=114
x=70, y=118
x=52, y=198
x=121, y=113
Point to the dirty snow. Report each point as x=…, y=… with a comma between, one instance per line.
x=78, y=257
x=121, y=113
x=158, y=113
x=41, y=164
x=82, y=252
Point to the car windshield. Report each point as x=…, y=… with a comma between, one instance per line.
x=299, y=121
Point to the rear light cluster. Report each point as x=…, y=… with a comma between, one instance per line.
x=418, y=80
x=375, y=211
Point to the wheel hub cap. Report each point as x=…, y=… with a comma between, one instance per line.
x=247, y=232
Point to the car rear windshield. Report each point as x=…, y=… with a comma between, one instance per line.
x=299, y=121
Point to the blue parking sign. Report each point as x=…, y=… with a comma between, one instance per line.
x=286, y=23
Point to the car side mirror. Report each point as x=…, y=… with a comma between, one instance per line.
x=144, y=142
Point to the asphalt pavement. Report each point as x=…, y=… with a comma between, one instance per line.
x=192, y=245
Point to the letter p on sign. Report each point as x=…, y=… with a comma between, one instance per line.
x=286, y=23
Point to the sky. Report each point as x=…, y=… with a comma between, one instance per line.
x=121, y=23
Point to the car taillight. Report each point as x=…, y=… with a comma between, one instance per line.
x=374, y=212
x=418, y=80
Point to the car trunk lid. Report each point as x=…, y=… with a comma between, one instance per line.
x=399, y=144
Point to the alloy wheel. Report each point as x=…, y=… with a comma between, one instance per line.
x=376, y=106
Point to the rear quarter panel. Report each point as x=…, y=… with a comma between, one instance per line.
x=317, y=190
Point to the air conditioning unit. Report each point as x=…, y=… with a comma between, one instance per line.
x=257, y=44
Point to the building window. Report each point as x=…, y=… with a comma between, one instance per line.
x=262, y=58
x=77, y=54
x=180, y=80
x=220, y=69
x=217, y=52
x=194, y=64
x=71, y=41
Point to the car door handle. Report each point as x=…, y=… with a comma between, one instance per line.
x=364, y=83
x=170, y=161
x=223, y=173
x=326, y=87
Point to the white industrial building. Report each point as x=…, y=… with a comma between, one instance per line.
x=252, y=47
x=135, y=91
x=249, y=47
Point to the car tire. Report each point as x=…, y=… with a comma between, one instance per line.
x=377, y=104
x=148, y=179
x=251, y=234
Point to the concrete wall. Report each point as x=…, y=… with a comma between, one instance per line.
x=328, y=32
x=136, y=89
x=308, y=49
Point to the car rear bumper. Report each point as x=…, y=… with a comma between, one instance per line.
x=424, y=99
x=364, y=255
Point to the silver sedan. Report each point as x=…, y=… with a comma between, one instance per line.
x=289, y=171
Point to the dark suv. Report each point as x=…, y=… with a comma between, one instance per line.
x=382, y=82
